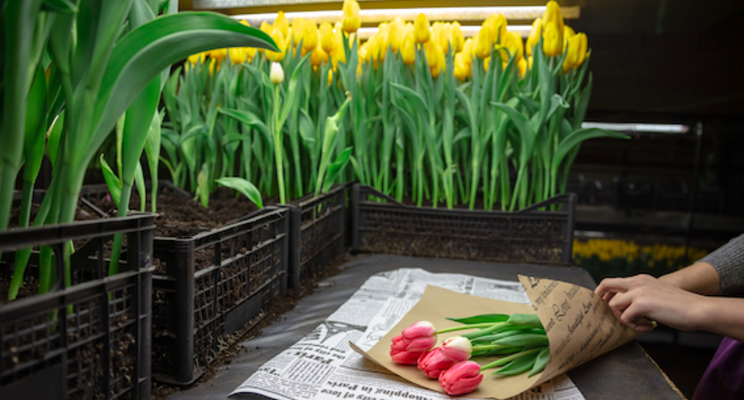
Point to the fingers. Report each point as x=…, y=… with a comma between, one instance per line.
x=612, y=285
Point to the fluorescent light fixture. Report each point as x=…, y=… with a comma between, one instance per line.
x=468, y=31
x=638, y=127
x=462, y=14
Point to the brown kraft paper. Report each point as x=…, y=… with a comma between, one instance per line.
x=579, y=324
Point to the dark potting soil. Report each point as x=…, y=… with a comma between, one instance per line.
x=274, y=312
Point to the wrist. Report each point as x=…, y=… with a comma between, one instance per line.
x=704, y=313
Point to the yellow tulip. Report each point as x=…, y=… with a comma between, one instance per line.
x=244, y=22
x=446, y=40
x=198, y=57
x=441, y=62
x=298, y=30
x=383, y=38
x=513, y=43
x=218, y=54
x=330, y=77
x=326, y=37
x=364, y=52
x=534, y=35
x=529, y=62
x=553, y=15
x=568, y=33
x=486, y=63
x=281, y=44
x=436, y=33
x=522, y=66
x=352, y=21
x=467, y=49
x=430, y=49
x=237, y=55
x=496, y=26
x=577, y=45
x=395, y=34
x=552, y=40
x=250, y=52
x=282, y=24
x=266, y=28
x=408, y=49
x=408, y=29
x=309, y=38
x=462, y=68
x=374, y=49
x=318, y=57
x=458, y=38
x=583, y=48
x=483, y=43
x=213, y=65
x=421, y=31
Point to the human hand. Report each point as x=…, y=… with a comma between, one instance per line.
x=643, y=296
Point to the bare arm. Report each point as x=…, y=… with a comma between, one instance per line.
x=700, y=278
x=645, y=296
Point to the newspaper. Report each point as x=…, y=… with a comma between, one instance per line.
x=322, y=366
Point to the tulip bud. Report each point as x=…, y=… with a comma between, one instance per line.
x=458, y=38
x=282, y=24
x=463, y=377
x=277, y=73
x=352, y=21
x=453, y=351
x=266, y=28
x=238, y=55
x=462, y=69
x=218, y=54
x=552, y=40
x=198, y=57
x=421, y=30
x=413, y=342
x=583, y=47
x=553, y=14
x=395, y=34
x=483, y=44
x=318, y=57
x=467, y=49
x=326, y=37
x=408, y=49
x=309, y=37
x=534, y=35
x=522, y=66
x=278, y=37
x=298, y=29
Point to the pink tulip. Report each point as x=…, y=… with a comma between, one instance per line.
x=453, y=351
x=463, y=378
x=413, y=342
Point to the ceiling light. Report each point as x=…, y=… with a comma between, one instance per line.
x=638, y=127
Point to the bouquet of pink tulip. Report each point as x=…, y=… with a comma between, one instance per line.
x=518, y=339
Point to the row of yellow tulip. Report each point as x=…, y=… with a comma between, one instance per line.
x=612, y=249
x=325, y=42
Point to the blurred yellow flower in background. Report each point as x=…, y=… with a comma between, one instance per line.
x=421, y=29
x=352, y=21
x=282, y=24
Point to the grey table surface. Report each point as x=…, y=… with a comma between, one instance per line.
x=624, y=373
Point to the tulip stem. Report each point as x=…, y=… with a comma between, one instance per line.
x=507, y=359
x=464, y=327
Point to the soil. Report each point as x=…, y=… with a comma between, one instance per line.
x=274, y=313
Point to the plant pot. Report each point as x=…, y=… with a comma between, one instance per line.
x=527, y=236
x=317, y=233
x=92, y=338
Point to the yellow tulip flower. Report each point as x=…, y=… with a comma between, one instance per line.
x=553, y=15
x=534, y=35
x=513, y=43
x=383, y=38
x=326, y=37
x=395, y=34
x=421, y=30
x=552, y=39
x=330, y=77
x=446, y=39
x=266, y=28
x=282, y=24
x=309, y=38
x=352, y=21
x=218, y=54
x=298, y=30
x=318, y=57
x=483, y=43
x=238, y=55
x=529, y=62
x=430, y=49
x=364, y=52
x=496, y=26
x=458, y=38
x=436, y=33
x=577, y=45
x=214, y=65
x=522, y=66
x=462, y=68
x=408, y=49
x=198, y=57
x=250, y=52
x=281, y=44
x=467, y=49
x=244, y=22
x=487, y=63
x=583, y=48
x=441, y=62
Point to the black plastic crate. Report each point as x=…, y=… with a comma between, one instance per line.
x=380, y=224
x=318, y=233
x=198, y=313
x=92, y=339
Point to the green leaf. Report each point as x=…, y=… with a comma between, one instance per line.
x=526, y=130
x=244, y=187
x=112, y=181
x=291, y=96
x=250, y=119
x=144, y=52
x=334, y=170
x=61, y=6
x=518, y=366
x=575, y=139
x=480, y=319
x=541, y=361
x=139, y=180
x=307, y=130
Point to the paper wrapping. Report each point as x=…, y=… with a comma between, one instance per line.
x=579, y=324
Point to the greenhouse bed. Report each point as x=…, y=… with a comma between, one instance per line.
x=380, y=224
x=197, y=313
x=318, y=233
x=102, y=345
